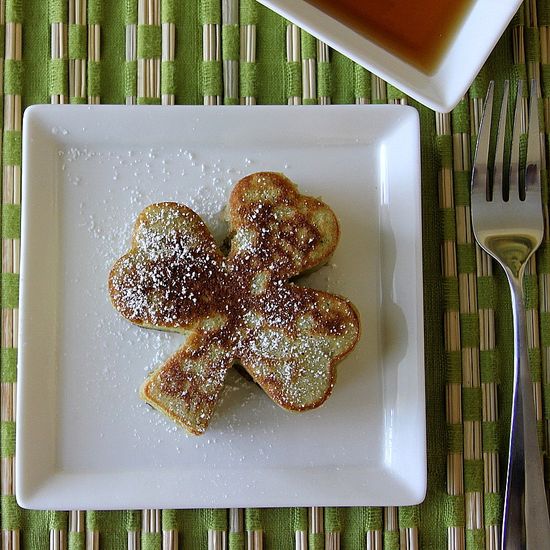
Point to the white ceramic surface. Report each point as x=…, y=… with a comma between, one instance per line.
x=441, y=90
x=84, y=438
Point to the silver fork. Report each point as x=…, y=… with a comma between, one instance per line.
x=510, y=229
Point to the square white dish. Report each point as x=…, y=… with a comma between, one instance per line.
x=85, y=439
x=442, y=90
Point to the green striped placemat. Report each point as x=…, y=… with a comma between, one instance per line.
x=238, y=52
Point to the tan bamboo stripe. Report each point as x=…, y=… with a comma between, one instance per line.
x=453, y=397
x=94, y=53
x=373, y=540
x=309, y=80
x=58, y=51
x=379, y=90
x=323, y=56
x=150, y=521
x=211, y=51
x=148, y=69
x=92, y=540
x=293, y=54
x=248, y=54
x=77, y=522
x=170, y=539
x=316, y=520
x=217, y=540
x=58, y=539
x=300, y=540
x=131, y=53
x=391, y=520
x=11, y=194
x=333, y=540
x=134, y=542
x=230, y=16
x=77, y=67
x=168, y=54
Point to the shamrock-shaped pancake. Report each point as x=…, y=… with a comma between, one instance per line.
x=239, y=308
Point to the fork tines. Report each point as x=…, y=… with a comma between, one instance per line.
x=517, y=188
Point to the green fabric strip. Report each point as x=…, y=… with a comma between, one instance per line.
x=486, y=292
x=12, y=148
x=111, y=527
x=58, y=76
x=408, y=517
x=77, y=541
x=148, y=100
x=473, y=476
x=212, y=79
x=293, y=78
x=391, y=540
x=469, y=330
x=545, y=78
x=216, y=519
x=113, y=53
x=58, y=11
x=231, y=42
x=14, y=11
x=236, y=541
x=324, y=79
x=475, y=539
x=169, y=520
x=130, y=78
x=167, y=78
x=455, y=438
x=308, y=45
x=460, y=117
x=488, y=360
x=252, y=519
x=248, y=76
x=544, y=321
x=491, y=436
x=94, y=78
x=450, y=293
x=466, y=257
x=343, y=89
x=531, y=290
x=461, y=179
x=493, y=508
x=149, y=41
x=448, y=222
x=78, y=101
x=546, y=400
x=453, y=367
x=248, y=12
x=543, y=13
x=444, y=145
x=316, y=541
x=58, y=520
x=453, y=511
x=36, y=48
x=151, y=541
x=11, y=221
x=210, y=11
x=13, y=76
x=471, y=403
x=78, y=46
x=394, y=93
x=332, y=520
x=362, y=82
x=168, y=11
x=532, y=41
x=535, y=364
x=299, y=519
x=132, y=521
x=10, y=290
x=131, y=11
x=8, y=365
x=7, y=438
x=374, y=519
x=11, y=513
x=95, y=12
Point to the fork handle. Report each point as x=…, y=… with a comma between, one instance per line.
x=525, y=498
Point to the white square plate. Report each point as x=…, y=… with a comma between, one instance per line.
x=84, y=438
x=441, y=90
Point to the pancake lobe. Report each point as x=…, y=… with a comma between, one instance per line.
x=240, y=308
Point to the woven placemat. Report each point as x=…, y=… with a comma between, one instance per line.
x=231, y=52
